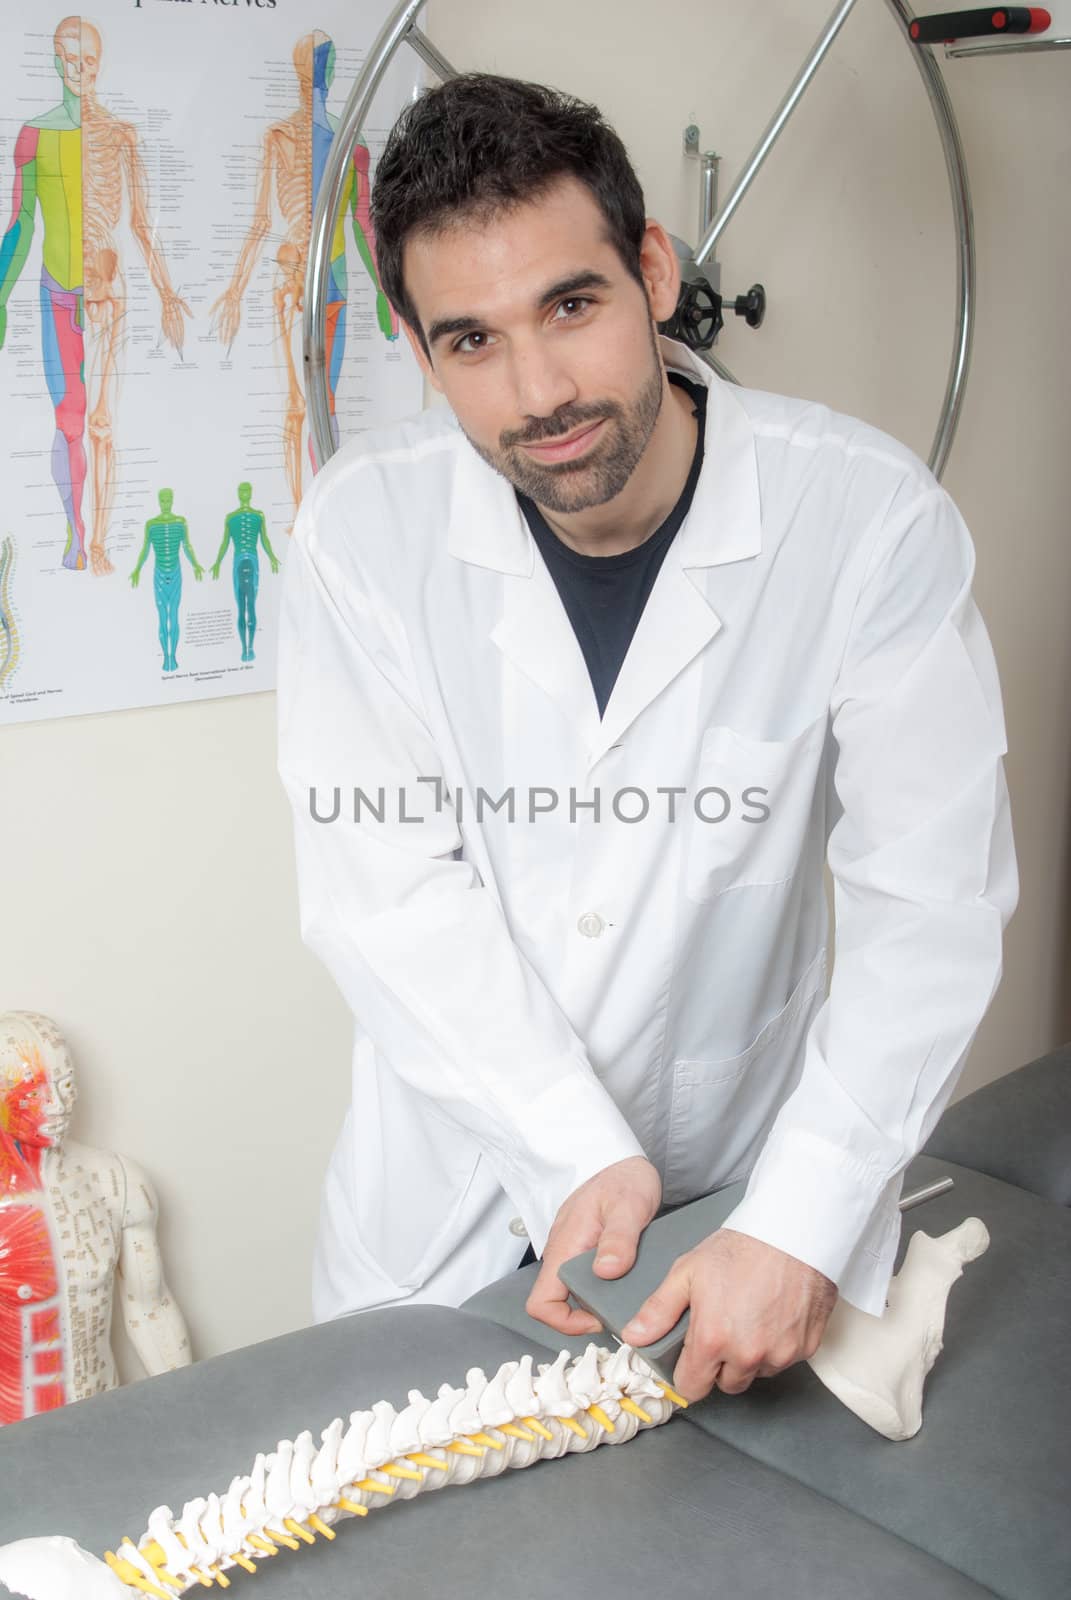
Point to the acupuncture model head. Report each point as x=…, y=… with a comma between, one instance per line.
x=37, y=1087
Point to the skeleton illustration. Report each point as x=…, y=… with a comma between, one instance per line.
x=292, y=161
x=75, y=162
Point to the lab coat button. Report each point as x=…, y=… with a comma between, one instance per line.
x=591, y=924
x=518, y=1229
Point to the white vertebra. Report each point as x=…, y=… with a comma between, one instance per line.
x=297, y=1481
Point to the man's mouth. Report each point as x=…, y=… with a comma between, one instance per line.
x=573, y=445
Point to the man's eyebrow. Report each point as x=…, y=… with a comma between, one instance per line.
x=447, y=327
x=574, y=285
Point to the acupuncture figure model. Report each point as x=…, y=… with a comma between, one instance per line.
x=246, y=529
x=167, y=535
x=71, y=1220
x=76, y=162
x=292, y=162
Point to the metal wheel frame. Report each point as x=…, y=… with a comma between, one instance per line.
x=400, y=27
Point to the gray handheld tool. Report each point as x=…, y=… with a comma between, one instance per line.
x=615, y=1300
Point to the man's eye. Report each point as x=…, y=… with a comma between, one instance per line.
x=466, y=341
x=573, y=307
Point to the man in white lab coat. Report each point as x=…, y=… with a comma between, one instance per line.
x=582, y=679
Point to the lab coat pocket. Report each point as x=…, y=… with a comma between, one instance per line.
x=723, y=1109
x=751, y=808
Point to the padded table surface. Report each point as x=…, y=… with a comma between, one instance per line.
x=673, y=1513
x=1017, y=1128
x=986, y=1484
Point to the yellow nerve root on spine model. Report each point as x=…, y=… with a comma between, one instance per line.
x=294, y=1496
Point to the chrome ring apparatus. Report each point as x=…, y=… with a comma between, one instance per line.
x=401, y=28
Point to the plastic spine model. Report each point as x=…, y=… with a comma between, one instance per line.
x=517, y=1417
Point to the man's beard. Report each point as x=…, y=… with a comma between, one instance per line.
x=602, y=472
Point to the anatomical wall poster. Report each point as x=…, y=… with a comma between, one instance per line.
x=159, y=161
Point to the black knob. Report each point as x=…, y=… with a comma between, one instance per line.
x=750, y=306
x=697, y=320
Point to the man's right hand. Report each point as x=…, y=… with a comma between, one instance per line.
x=609, y=1212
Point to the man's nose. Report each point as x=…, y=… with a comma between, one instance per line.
x=541, y=381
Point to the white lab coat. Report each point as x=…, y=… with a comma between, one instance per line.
x=540, y=996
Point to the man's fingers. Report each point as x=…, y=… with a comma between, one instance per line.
x=573, y=1322
x=607, y=1212
x=626, y=1217
x=618, y=1243
x=699, y=1366
x=709, y=1360
x=661, y=1311
x=734, y=1379
x=548, y=1302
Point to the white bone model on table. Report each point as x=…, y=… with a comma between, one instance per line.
x=519, y=1416
x=523, y=1414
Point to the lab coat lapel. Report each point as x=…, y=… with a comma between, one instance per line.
x=676, y=623
x=534, y=631
x=723, y=524
x=487, y=528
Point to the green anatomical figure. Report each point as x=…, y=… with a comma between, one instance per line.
x=246, y=529
x=168, y=536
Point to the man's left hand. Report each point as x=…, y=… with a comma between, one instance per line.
x=754, y=1311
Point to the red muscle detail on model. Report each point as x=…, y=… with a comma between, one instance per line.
x=44, y=1326
x=28, y=1278
x=26, y=1261
x=49, y=1398
x=30, y=1282
x=47, y=1362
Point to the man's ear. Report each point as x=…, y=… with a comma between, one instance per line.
x=417, y=348
x=661, y=271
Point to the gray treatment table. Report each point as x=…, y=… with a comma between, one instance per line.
x=778, y=1492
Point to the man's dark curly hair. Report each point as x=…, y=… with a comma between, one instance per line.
x=480, y=144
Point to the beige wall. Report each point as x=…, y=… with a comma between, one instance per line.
x=149, y=899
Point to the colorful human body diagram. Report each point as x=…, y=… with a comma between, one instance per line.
x=48, y=173
x=160, y=168
x=292, y=162
x=167, y=536
x=74, y=165
x=246, y=529
x=354, y=204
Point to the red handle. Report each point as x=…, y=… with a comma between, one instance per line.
x=980, y=22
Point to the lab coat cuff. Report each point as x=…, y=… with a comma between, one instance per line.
x=579, y=1131
x=822, y=1205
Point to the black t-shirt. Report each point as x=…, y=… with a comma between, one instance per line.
x=604, y=596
